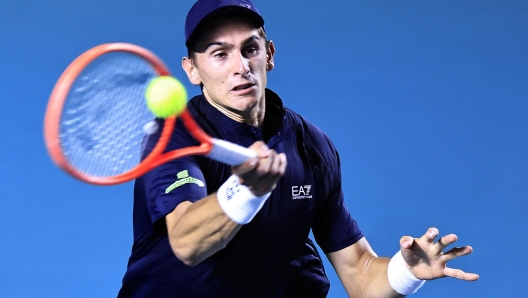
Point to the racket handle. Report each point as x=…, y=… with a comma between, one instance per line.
x=229, y=153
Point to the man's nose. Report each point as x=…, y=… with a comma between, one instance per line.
x=241, y=65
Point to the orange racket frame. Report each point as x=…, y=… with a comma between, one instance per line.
x=155, y=158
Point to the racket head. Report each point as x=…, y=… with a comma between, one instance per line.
x=93, y=126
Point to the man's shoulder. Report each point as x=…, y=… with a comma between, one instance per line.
x=309, y=129
x=316, y=142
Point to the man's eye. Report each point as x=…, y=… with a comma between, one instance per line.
x=251, y=50
x=220, y=54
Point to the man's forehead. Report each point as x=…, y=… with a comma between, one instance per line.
x=227, y=30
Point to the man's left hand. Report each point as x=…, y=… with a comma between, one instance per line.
x=426, y=259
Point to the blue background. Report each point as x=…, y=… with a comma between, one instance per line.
x=425, y=100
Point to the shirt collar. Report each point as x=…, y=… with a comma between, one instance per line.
x=273, y=117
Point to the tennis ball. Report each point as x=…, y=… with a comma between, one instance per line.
x=165, y=96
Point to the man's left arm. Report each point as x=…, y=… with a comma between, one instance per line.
x=364, y=274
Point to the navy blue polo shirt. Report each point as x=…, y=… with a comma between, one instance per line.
x=272, y=255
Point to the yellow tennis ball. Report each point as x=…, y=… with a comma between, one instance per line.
x=165, y=96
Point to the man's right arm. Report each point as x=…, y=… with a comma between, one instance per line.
x=198, y=230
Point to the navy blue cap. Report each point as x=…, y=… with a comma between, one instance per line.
x=204, y=10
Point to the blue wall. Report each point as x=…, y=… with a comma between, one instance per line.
x=426, y=102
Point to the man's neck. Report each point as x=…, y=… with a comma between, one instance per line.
x=255, y=117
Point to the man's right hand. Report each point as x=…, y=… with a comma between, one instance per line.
x=262, y=173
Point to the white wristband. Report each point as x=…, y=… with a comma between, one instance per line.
x=238, y=202
x=401, y=279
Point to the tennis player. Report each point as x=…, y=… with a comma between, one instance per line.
x=204, y=229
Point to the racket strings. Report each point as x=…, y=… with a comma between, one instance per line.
x=104, y=114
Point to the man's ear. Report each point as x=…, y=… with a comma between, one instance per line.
x=192, y=72
x=270, y=53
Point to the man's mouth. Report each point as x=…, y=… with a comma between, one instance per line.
x=243, y=87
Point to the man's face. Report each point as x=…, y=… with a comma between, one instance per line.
x=231, y=62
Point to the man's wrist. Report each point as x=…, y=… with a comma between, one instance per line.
x=401, y=279
x=238, y=202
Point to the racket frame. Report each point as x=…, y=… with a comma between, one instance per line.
x=60, y=93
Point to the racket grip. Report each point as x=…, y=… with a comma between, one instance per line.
x=229, y=153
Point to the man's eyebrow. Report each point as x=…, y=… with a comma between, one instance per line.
x=216, y=43
x=225, y=44
x=250, y=39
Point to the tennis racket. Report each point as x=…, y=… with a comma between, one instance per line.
x=96, y=117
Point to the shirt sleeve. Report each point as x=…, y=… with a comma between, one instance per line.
x=333, y=226
x=174, y=182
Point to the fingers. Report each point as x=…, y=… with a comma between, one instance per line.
x=266, y=175
x=442, y=243
x=430, y=235
x=261, y=150
x=262, y=173
x=454, y=253
x=406, y=242
x=457, y=252
x=427, y=260
x=457, y=273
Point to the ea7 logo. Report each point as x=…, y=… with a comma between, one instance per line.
x=301, y=192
